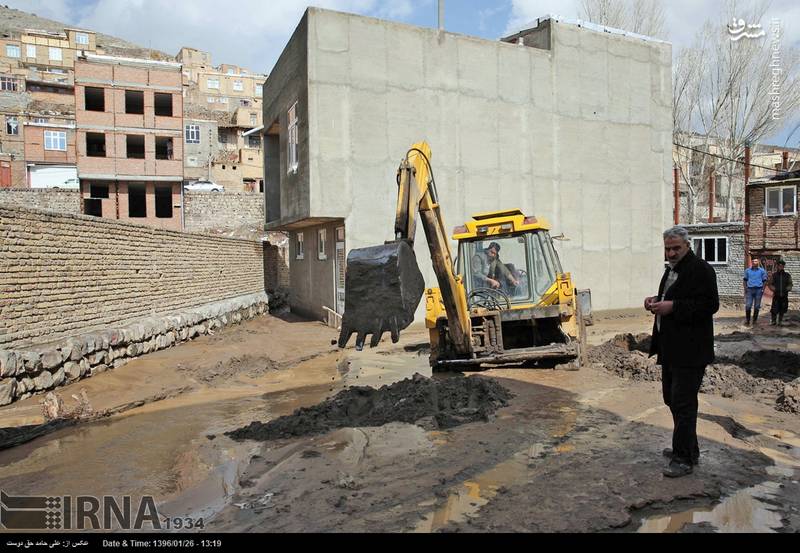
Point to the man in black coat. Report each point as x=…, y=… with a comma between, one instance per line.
x=683, y=340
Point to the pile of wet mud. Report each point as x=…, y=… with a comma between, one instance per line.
x=431, y=403
x=770, y=373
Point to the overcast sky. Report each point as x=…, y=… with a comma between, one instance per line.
x=252, y=33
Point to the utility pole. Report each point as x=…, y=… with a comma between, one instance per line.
x=441, y=15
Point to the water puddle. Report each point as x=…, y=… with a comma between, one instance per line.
x=745, y=511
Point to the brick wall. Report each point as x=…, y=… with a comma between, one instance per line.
x=63, y=274
x=215, y=210
x=771, y=233
x=276, y=267
x=61, y=201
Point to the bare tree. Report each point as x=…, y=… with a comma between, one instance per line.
x=645, y=17
x=724, y=94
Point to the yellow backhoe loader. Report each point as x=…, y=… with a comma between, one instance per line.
x=506, y=300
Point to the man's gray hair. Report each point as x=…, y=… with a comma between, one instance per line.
x=677, y=232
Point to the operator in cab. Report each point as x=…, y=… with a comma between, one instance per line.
x=488, y=270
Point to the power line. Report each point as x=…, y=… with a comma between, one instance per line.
x=729, y=159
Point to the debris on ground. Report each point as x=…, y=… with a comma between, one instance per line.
x=53, y=407
x=754, y=373
x=789, y=398
x=439, y=403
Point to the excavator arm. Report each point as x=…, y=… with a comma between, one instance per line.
x=383, y=284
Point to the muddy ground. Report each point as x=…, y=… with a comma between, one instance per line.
x=353, y=441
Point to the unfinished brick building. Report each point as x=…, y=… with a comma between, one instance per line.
x=772, y=225
x=129, y=117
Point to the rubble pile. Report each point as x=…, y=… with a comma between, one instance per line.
x=431, y=403
x=767, y=373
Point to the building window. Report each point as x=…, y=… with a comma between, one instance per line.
x=30, y=51
x=94, y=99
x=98, y=190
x=781, y=201
x=223, y=100
x=81, y=38
x=259, y=90
x=55, y=140
x=9, y=84
x=293, y=160
x=222, y=136
x=712, y=249
x=55, y=54
x=95, y=144
x=238, y=86
x=210, y=99
x=134, y=102
x=254, y=119
x=193, y=134
x=164, y=201
x=137, y=201
x=244, y=103
x=254, y=141
x=12, y=125
x=164, y=148
x=212, y=83
x=40, y=120
x=298, y=246
x=322, y=238
x=12, y=50
x=135, y=146
x=163, y=104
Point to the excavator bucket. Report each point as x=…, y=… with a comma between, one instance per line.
x=383, y=286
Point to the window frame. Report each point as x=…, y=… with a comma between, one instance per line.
x=299, y=246
x=28, y=49
x=259, y=90
x=10, y=48
x=702, y=238
x=57, y=137
x=780, y=190
x=292, y=139
x=15, y=127
x=322, y=242
x=190, y=130
x=209, y=80
x=9, y=83
x=238, y=86
x=52, y=50
x=82, y=38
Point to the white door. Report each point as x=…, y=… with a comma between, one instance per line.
x=339, y=270
x=54, y=176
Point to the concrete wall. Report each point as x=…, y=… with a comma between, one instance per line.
x=61, y=201
x=64, y=274
x=287, y=84
x=579, y=134
x=212, y=210
x=311, y=279
x=729, y=274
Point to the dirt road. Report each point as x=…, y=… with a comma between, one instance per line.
x=561, y=451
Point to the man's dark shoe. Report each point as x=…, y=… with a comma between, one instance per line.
x=667, y=452
x=677, y=469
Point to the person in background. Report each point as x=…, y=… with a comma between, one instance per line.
x=781, y=284
x=754, y=280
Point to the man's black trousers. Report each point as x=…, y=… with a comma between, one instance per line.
x=680, y=386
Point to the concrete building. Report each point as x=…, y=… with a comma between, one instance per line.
x=562, y=120
x=129, y=139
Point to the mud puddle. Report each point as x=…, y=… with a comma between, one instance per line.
x=759, y=508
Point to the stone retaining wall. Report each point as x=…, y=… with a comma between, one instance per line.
x=24, y=372
x=204, y=211
x=49, y=199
